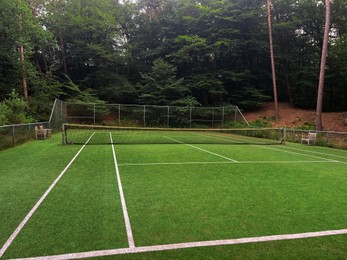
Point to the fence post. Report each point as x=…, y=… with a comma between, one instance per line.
x=144, y=115
x=118, y=114
x=94, y=113
x=168, y=116
x=213, y=116
x=190, y=117
x=61, y=113
x=235, y=119
x=223, y=116
x=13, y=141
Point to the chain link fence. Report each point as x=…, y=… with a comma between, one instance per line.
x=324, y=138
x=12, y=135
x=152, y=116
x=149, y=116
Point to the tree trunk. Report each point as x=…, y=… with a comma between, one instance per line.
x=24, y=79
x=272, y=59
x=319, y=125
x=22, y=61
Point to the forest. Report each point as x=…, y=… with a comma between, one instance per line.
x=167, y=52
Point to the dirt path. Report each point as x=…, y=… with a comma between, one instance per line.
x=293, y=117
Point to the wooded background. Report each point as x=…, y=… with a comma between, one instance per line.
x=167, y=52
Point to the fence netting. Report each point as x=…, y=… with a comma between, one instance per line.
x=152, y=116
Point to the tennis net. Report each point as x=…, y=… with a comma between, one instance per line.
x=79, y=134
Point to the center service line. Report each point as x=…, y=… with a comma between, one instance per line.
x=122, y=199
x=216, y=154
x=38, y=203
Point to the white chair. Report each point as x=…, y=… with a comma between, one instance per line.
x=309, y=138
x=42, y=133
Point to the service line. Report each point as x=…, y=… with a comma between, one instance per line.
x=223, y=162
x=204, y=150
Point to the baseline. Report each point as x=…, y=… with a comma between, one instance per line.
x=122, y=199
x=39, y=202
x=166, y=247
x=204, y=150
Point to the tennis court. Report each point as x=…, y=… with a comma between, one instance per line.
x=170, y=194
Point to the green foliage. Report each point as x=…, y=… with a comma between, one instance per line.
x=249, y=97
x=182, y=52
x=4, y=112
x=161, y=87
x=260, y=123
x=13, y=110
x=306, y=126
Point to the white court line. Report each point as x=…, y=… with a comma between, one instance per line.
x=122, y=199
x=38, y=203
x=266, y=147
x=206, y=151
x=313, y=156
x=157, y=248
x=230, y=162
x=304, y=150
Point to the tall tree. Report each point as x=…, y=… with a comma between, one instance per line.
x=319, y=125
x=273, y=70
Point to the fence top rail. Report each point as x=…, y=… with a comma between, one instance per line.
x=27, y=124
x=314, y=131
x=137, y=105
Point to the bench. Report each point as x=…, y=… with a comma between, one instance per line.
x=42, y=133
x=310, y=137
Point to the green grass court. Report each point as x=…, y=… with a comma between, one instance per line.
x=176, y=196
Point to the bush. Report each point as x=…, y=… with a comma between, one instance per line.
x=12, y=110
x=306, y=126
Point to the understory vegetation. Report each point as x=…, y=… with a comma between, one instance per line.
x=167, y=52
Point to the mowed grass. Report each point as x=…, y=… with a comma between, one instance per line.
x=25, y=174
x=82, y=213
x=175, y=193
x=185, y=203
